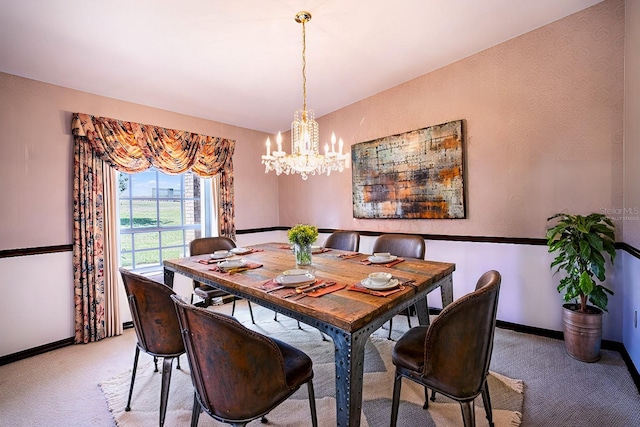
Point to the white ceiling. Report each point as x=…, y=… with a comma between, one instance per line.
x=240, y=61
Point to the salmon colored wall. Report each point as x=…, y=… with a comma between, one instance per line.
x=632, y=125
x=37, y=159
x=543, y=119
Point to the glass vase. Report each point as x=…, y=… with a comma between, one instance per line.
x=303, y=254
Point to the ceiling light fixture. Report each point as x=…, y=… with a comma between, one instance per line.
x=305, y=158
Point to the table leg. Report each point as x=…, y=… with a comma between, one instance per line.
x=168, y=277
x=422, y=311
x=446, y=291
x=349, y=357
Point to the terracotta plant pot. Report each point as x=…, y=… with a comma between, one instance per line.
x=582, y=332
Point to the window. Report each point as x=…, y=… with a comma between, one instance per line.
x=159, y=215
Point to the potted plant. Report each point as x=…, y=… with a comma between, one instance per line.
x=302, y=236
x=581, y=244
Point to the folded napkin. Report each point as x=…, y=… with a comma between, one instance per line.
x=270, y=284
x=349, y=255
x=359, y=288
x=320, y=250
x=389, y=264
x=326, y=290
x=285, y=247
x=249, y=251
x=233, y=270
x=210, y=261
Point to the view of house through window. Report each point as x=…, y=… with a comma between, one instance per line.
x=159, y=215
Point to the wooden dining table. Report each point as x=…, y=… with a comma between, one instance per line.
x=349, y=317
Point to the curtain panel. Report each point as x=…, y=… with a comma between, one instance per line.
x=129, y=147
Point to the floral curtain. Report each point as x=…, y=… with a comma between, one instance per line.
x=129, y=147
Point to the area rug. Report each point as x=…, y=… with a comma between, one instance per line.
x=506, y=393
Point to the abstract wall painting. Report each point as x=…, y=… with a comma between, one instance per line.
x=413, y=175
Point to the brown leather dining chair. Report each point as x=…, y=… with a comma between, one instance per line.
x=157, y=329
x=403, y=246
x=240, y=375
x=343, y=240
x=452, y=355
x=208, y=245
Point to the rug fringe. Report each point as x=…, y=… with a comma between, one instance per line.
x=515, y=385
x=516, y=419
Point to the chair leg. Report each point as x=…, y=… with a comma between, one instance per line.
x=178, y=366
x=251, y=312
x=233, y=306
x=486, y=399
x=312, y=404
x=164, y=388
x=468, y=413
x=433, y=395
x=409, y=316
x=155, y=362
x=133, y=378
x=397, y=385
x=195, y=412
x=299, y=327
x=390, y=328
x=426, y=398
x=275, y=316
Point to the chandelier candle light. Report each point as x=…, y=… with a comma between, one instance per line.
x=305, y=158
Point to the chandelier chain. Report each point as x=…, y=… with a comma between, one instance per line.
x=304, y=67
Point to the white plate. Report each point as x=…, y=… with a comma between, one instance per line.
x=241, y=251
x=221, y=255
x=379, y=260
x=389, y=285
x=295, y=272
x=233, y=263
x=295, y=280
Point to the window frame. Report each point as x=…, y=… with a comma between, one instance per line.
x=208, y=221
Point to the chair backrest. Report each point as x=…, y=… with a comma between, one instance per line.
x=402, y=245
x=459, y=342
x=154, y=315
x=236, y=372
x=208, y=245
x=343, y=240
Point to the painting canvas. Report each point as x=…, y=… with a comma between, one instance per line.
x=417, y=174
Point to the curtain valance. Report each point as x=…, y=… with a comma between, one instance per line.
x=134, y=147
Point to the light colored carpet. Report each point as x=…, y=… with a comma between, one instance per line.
x=506, y=394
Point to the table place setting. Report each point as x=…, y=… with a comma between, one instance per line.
x=244, y=251
x=382, y=258
x=298, y=284
x=233, y=266
x=380, y=284
x=348, y=255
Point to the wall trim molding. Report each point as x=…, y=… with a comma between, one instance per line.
x=635, y=252
x=24, y=354
x=39, y=250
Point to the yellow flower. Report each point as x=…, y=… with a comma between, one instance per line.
x=303, y=234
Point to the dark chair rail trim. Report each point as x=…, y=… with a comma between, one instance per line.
x=9, y=253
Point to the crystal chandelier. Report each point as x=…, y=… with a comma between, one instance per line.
x=305, y=158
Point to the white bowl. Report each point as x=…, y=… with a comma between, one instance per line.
x=382, y=255
x=220, y=254
x=379, y=278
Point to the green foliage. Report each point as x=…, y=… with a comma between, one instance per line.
x=580, y=243
x=303, y=234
